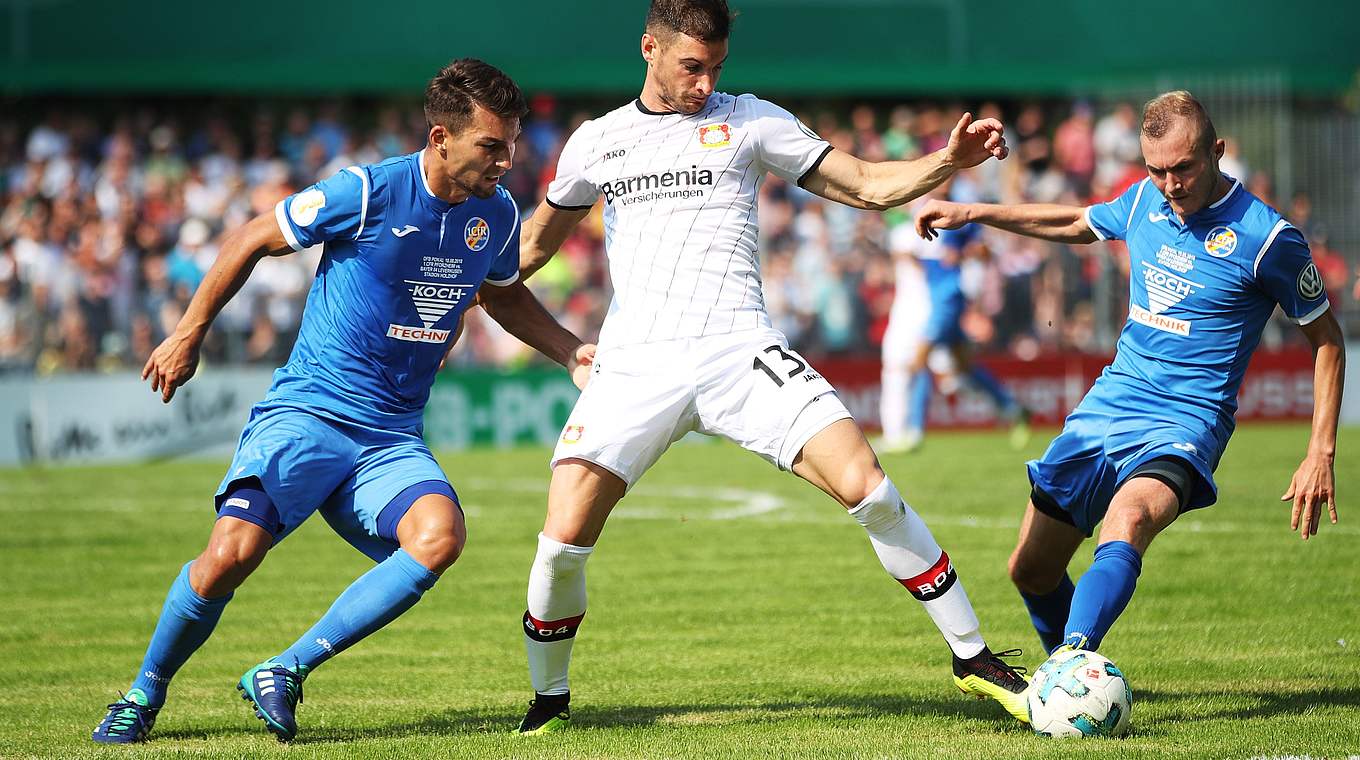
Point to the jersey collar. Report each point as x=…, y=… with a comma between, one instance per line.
x=643, y=108
x=1213, y=209
x=433, y=200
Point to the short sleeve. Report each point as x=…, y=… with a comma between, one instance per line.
x=785, y=145
x=1110, y=220
x=335, y=207
x=570, y=190
x=1286, y=272
x=505, y=267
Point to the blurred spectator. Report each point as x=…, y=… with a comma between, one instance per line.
x=107, y=229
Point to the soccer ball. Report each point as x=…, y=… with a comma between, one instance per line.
x=1079, y=693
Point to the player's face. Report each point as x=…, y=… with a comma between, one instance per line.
x=684, y=70
x=476, y=157
x=1182, y=169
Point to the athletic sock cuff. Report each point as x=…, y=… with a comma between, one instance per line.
x=881, y=509
x=199, y=604
x=554, y=554
x=419, y=575
x=1121, y=550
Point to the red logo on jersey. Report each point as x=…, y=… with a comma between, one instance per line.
x=715, y=135
x=573, y=433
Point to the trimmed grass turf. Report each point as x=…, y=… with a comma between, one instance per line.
x=734, y=613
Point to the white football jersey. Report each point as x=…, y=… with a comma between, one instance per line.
x=680, y=210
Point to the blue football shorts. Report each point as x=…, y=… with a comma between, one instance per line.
x=1103, y=444
x=362, y=479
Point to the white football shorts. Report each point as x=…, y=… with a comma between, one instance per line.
x=747, y=387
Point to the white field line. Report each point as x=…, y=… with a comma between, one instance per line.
x=717, y=503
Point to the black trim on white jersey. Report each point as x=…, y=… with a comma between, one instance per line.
x=638, y=102
x=814, y=166
x=561, y=207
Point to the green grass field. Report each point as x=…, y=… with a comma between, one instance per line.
x=735, y=612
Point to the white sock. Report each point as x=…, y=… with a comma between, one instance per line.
x=892, y=403
x=910, y=554
x=557, y=602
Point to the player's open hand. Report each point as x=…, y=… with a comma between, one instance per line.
x=938, y=215
x=172, y=364
x=1314, y=484
x=581, y=363
x=973, y=142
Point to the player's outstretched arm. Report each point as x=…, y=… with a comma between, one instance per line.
x=846, y=179
x=542, y=236
x=520, y=313
x=1061, y=224
x=1314, y=483
x=175, y=360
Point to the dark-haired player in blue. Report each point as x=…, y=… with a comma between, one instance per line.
x=408, y=244
x=1209, y=264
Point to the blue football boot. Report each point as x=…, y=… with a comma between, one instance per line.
x=128, y=721
x=275, y=692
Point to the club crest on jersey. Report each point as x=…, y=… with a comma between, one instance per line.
x=306, y=205
x=573, y=433
x=476, y=233
x=715, y=135
x=1220, y=242
x=1310, y=282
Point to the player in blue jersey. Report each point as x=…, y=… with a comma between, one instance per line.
x=409, y=243
x=937, y=350
x=1209, y=264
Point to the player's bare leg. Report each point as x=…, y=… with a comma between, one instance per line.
x=580, y=498
x=1140, y=509
x=1038, y=568
x=839, y=461
x=433, y=532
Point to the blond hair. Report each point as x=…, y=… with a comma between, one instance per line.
x=1162, y=112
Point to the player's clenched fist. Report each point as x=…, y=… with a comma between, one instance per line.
x=940, y=215
x=171, y=365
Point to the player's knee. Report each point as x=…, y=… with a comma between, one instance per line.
x=437, y=548
x=1031, y=576
x=224, y=566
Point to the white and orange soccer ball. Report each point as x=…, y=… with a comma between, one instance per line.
x=1079, y=693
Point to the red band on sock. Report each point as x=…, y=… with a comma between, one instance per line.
x=934, y=582
x=551, y=630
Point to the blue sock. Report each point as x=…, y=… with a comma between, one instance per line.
x=919, y=402
x=988, y=384
x=186, y=621
x=1102, y=593
x=377, y=598
x=1049, y=612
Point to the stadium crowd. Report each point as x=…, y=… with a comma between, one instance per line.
x=108, y=225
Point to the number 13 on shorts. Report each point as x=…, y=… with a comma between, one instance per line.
x=783, y=361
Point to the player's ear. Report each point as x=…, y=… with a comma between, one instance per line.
x=649, y=46
x=1219, y=147
x=439, y=140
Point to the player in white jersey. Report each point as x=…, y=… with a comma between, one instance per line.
x=687, y=343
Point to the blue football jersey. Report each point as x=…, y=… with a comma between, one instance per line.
x=1200, y=293
x=399, y=268
x=942, y=263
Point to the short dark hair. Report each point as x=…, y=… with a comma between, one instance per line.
x=707, y=20
x=1161, y=113
x=450, y=96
